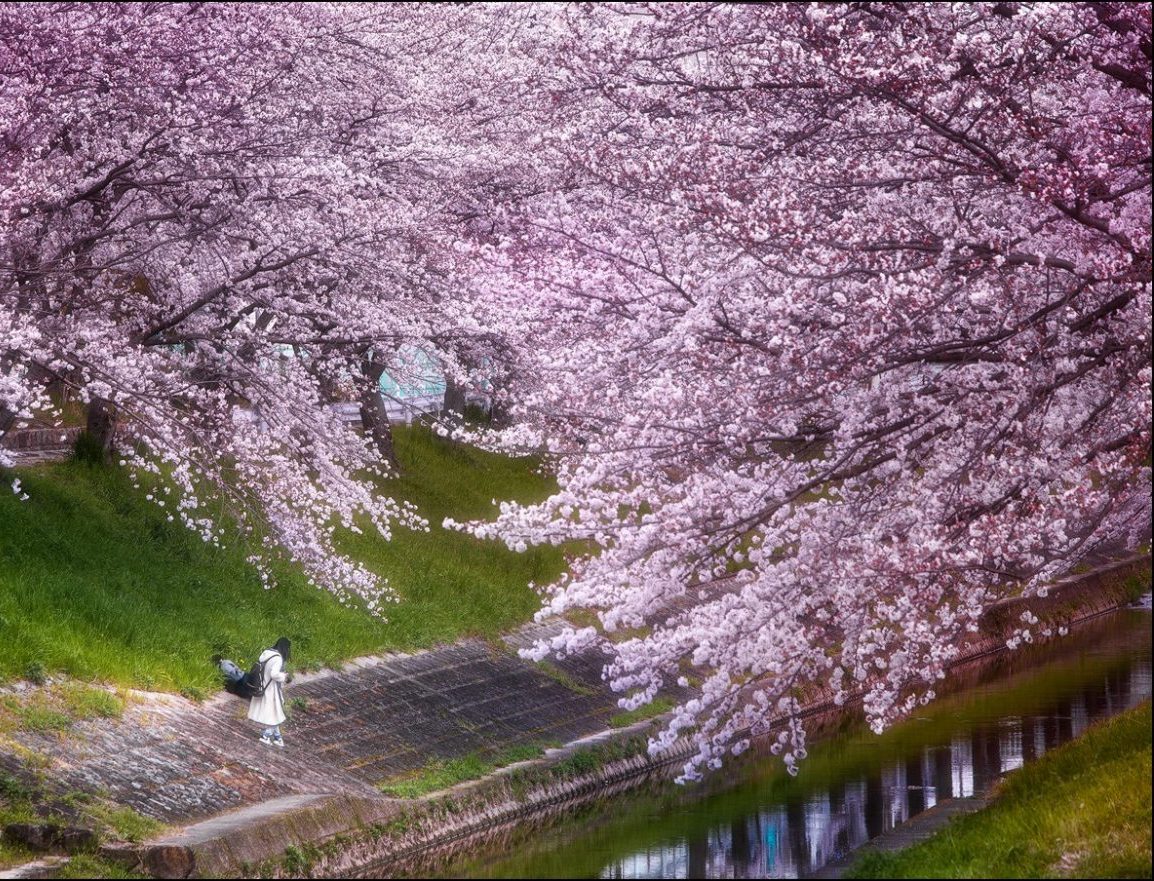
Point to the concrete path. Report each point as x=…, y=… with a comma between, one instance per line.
x=44, y=868
x=179, y=761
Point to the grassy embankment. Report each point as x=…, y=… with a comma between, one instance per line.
x=25, y=802
x=1082, y=811
x=24, y=799
x=97, y=585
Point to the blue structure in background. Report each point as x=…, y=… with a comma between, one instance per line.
x=414, y=385
x=419, y=376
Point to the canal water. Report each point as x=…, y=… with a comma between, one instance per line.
x=751, y=820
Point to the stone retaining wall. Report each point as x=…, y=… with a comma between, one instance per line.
x=30, y=446
x=351, y=837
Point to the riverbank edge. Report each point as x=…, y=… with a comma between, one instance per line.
x=914, y=831
x=340, y=836
x=1004, y=796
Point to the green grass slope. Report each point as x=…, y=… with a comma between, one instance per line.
x=96, y=584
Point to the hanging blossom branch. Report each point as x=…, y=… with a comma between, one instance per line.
x=837, y=320
x=208, y=214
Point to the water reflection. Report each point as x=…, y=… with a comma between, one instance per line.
x=800, y=837
x=752, y=820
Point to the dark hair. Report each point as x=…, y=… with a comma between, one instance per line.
x=283, y=647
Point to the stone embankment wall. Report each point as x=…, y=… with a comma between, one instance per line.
x=342, y=837
x=31, y=446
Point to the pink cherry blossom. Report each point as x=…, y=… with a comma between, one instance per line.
x=837, y=322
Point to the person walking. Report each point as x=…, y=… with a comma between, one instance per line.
x=268, y=707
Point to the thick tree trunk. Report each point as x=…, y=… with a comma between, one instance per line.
x=374, y=416
x=328, y=387
x=454, y=397
x=7, y=417
x=101, y=427
x=499, y=412
x=7, y=420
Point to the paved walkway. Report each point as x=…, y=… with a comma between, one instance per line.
x=179, y=761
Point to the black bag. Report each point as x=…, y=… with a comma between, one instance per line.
x=252, y=684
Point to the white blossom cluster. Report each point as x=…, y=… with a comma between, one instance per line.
x=837, y=321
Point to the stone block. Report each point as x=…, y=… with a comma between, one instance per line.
x=73, y=839
x=34, y=836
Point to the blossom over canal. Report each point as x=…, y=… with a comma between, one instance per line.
x=837, y=319
x=832, y=319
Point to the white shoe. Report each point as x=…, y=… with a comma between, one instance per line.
x=278, y=741
x=264, y=738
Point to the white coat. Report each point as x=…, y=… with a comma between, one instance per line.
x=268, y=709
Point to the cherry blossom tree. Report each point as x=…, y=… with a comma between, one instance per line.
x=836, y=318
x=211, y=217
